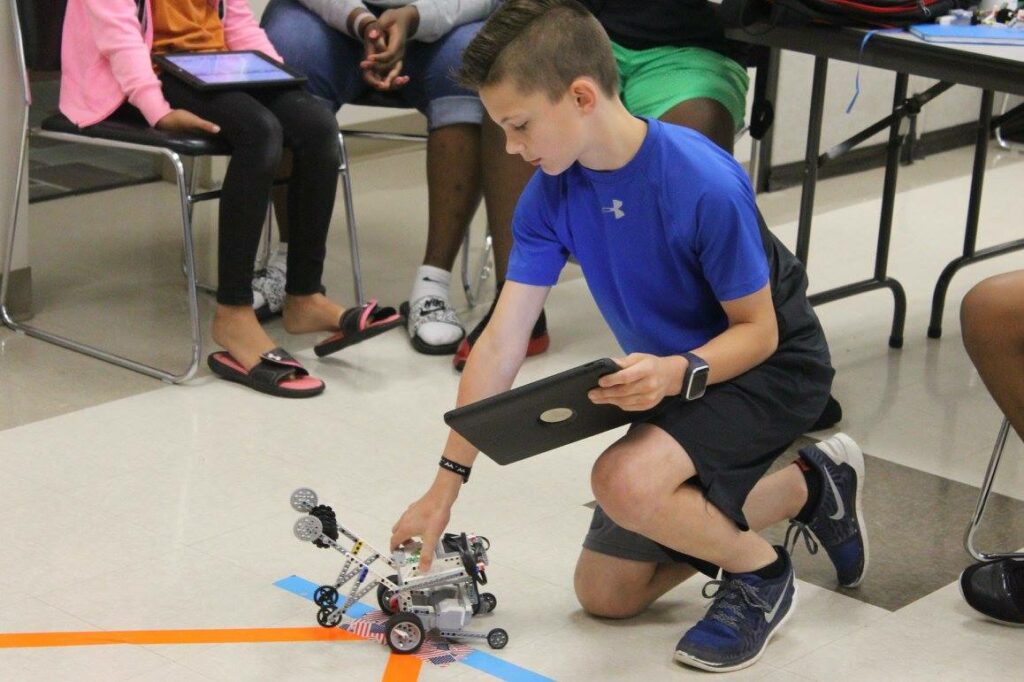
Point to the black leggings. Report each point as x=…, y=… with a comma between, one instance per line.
x=257, y=123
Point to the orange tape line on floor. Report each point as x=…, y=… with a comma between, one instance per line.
x=224, y=636
x=402, y=668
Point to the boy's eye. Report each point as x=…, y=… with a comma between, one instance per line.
x=521, y=127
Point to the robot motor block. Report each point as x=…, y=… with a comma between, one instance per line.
x=444, y=600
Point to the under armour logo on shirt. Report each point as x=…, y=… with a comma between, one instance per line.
x=615, y=209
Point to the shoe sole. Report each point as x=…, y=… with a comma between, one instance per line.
x=536, y=346
x=695, y=662
x=857, y=462
x=960, y=589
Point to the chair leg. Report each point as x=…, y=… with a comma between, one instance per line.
x=99, y=353
x=1002, y=141
x=986, y=490
x=350, y=221
x=473, y=284
x=192, y=175
x=8, y=255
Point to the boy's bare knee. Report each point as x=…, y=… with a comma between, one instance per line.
x=600, y=599
x=619, y=483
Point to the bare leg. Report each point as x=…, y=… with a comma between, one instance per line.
x=236, y=329
x=453, y=187
x=504, y=177
x=707, y=116
x=992, y=319
x=618, y=588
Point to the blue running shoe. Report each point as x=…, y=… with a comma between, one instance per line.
x=746, y=612
x=838, y=520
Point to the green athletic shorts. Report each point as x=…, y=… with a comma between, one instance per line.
x=655, y=80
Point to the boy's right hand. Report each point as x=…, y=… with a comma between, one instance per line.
x=184, y=121
x=425, y=518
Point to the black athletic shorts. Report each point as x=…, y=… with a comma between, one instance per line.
x=735, y=432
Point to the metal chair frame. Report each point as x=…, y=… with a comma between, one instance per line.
x=1000, y=139
x=986, y=490
x=188, y=197
x=471, y=285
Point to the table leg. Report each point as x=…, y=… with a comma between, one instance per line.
x=880, y=279
x=803, y=235
x=970, y=253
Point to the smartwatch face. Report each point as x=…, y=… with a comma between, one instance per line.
x=698, y=382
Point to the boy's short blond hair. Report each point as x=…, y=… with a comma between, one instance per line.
x=540, y=46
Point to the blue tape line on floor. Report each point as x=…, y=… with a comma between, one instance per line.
x=305, y=589
x=492, y=665
x=502, y=669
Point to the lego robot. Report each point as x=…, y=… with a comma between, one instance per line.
x=445, y=599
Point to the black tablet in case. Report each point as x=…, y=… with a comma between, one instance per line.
x=539, y=416
x=225, y=70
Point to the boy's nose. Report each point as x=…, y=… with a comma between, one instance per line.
x=513, y=147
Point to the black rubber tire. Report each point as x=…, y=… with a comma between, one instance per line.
x=410, y=624
x=323, y=615
x=325, y=595
x=497, y=638
x=384, y=596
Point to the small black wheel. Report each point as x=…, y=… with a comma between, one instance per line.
x=384, y=596
x=488, y=602
x=497, y=638
x=323, y=617
x=404, y=633
x=325, y=595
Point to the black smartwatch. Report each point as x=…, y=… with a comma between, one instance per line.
x=695, y=380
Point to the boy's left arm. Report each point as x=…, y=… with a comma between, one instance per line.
x=751, y=338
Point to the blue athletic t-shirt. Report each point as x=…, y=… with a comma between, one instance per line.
x=661, y=240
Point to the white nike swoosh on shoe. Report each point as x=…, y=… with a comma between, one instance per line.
x=769, y=616
x=840, y=507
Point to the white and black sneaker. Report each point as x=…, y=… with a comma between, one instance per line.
x=433, y=325
x=268, y=290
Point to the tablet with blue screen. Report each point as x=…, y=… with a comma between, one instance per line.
x=227, y=70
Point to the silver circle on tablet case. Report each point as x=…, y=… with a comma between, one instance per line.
x=557, y=415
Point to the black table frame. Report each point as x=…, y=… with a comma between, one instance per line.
x=951, y=66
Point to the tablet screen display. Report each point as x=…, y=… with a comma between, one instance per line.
x=235, y=67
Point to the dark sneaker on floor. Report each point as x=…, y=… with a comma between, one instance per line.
x=838, y=520
x=996, y=589
x=746, y=613
x=539, y=340
x=830, y=416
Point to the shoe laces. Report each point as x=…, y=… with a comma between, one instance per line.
x=731, y=596
x=795, y=531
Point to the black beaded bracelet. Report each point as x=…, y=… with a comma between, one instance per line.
x=455, y=468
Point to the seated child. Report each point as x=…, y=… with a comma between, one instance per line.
x=106, y=62
x=686, y=274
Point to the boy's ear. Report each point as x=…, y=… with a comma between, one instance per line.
x=584, y=94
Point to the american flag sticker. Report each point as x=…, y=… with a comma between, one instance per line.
x=435, y=649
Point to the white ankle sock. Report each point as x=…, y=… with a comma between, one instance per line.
x=433, y=282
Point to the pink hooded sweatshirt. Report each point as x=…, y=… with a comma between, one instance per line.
x=105, y=56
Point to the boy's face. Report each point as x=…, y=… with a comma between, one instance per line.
x=548, y=135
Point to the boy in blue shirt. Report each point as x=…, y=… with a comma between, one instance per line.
x=686, y=274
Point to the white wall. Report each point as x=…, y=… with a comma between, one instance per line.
x=10, y=138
